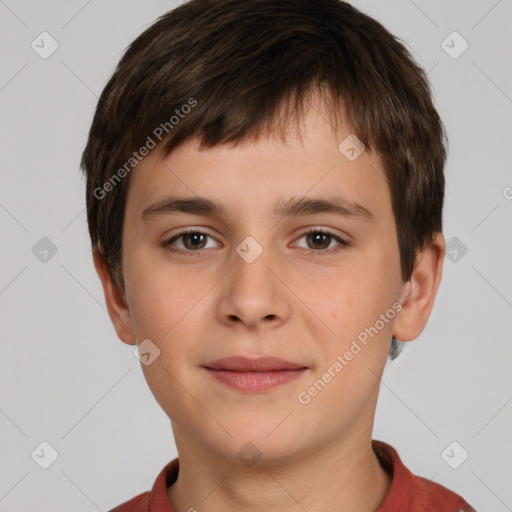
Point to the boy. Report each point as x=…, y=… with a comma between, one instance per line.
x=264, y=194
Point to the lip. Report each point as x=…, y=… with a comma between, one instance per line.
x=261, y=364
x=254, y=375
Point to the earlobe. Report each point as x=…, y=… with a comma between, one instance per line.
x=116, y=304
x=420, y=291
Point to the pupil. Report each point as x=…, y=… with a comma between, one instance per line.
x=195, y=239
x=317, y=237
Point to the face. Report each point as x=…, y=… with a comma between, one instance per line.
x=317, y=287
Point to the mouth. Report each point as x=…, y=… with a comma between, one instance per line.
x=255, y=375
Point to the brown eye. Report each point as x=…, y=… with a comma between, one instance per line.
x=188, y=242
x=194, y=240
x=320, y=241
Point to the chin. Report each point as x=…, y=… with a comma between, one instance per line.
x=264, y=442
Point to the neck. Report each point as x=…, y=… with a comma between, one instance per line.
x=340, y=472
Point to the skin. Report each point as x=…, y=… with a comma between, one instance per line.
x=291, y=302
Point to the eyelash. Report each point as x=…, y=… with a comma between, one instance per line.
x=342, y=243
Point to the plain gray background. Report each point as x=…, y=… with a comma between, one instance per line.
x=65, y=378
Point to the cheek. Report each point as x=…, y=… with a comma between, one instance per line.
x=351, y=303
x=159, y=295
x=353, y=357
x=159, y=312
x=166, y=309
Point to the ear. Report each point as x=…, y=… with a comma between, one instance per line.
x=420, y=291
x=116, y=304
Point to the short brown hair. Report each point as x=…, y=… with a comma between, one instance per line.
x=249, y=67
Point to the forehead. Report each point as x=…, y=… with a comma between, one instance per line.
x=262, y=174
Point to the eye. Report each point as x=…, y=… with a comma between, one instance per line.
x=193, y=241
x=320, y=240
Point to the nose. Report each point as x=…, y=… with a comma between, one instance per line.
x=253, y=293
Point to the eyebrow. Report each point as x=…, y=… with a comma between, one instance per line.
x=292, y=207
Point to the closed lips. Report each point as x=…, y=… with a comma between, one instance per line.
x=262, y=364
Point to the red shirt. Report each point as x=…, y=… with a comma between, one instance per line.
x=408, y=493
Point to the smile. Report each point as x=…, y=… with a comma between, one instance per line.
x=254, y=375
